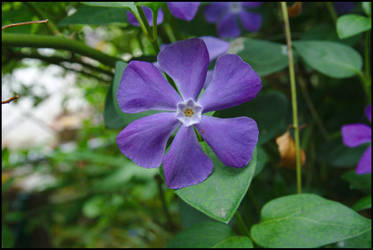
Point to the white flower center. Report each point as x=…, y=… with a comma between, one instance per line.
x=189, y=112
x=235, y=7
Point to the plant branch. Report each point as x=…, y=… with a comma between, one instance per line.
x=57, y=42
x=10, y=99
x=23, y=23
x=293, y=94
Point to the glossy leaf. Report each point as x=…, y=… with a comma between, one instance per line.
x=95, y=15
x=364, y=203
x=265, y=57
x=269, y=110
x=202, y=235
x=330, y=58
x=306, y=220
x=350, y=25
x=235, y=242
x=222, y=192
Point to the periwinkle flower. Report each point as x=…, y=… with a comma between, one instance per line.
x=182, y=10
x=143, y=87
x=343, y=7
x=225, y=14
x=356, y=134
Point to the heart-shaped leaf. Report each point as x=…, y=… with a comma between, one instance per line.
x=306, y=220
x=221, y=193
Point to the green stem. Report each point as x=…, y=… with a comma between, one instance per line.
x=172, y=25
x=368, y=81
x=148, y=29
x=166, y=211
x=332, y=12
x=241, y=224
x=57, y=42
x=293, y=95
x=169, y=32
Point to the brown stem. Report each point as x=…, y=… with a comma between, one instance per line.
x=24, y=23
x=10, y=99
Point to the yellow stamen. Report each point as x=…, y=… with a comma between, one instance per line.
x=188, y=112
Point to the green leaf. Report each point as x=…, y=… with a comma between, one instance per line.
x=367, y=7
x=364, y=203
x=221, y=193
x=114, y=117
x=128, y=5
x=343, y=156
x=362, y=241
x=265, y=57
x=269, y=109
x=95, y=15
x=362, y=182
x=305, y=221
x=330, y=58
x=152, y=5
x=202, y=235
x=350, y=25
x=235, y=242
x=190, y=216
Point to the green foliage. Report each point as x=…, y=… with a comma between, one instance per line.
x=95, y=15
x=360, y=182
x=265, y=57
x=230, y=183
x=311, y=220
x=363, y=203
x=330, y=58
x=350, y=25
x=235, y=242
x=202, y=235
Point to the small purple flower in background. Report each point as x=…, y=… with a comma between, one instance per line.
x=143, y=87
x=225, y=14
x=183, y=10
x=343, y=7
x=355, y=134
x=148, y=14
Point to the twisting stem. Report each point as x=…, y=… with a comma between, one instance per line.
x=24, y=23
x=293, y=94
x=241, y=224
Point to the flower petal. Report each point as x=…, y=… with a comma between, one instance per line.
x=368, y=112
x=250, y=21
x=356, y=134
x=228, y=27
x=185, y=163
x=215, y=11
x=183, y=10
x=233, y=139
x=142, y=88
x=365, y=164
x=233, y=82
x=186, y=62
x=144, y=140
x=208, y=79
x=148, y=14
x=215, y=47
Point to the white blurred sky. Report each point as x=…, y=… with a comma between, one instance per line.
x=20, y=131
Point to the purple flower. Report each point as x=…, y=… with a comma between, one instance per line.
x=343, y=7
x=148, y=14
x=183, y=10
x=355, y=134
x=225, y=14
x=143, y=87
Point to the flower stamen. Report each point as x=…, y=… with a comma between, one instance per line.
x=188, y=112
